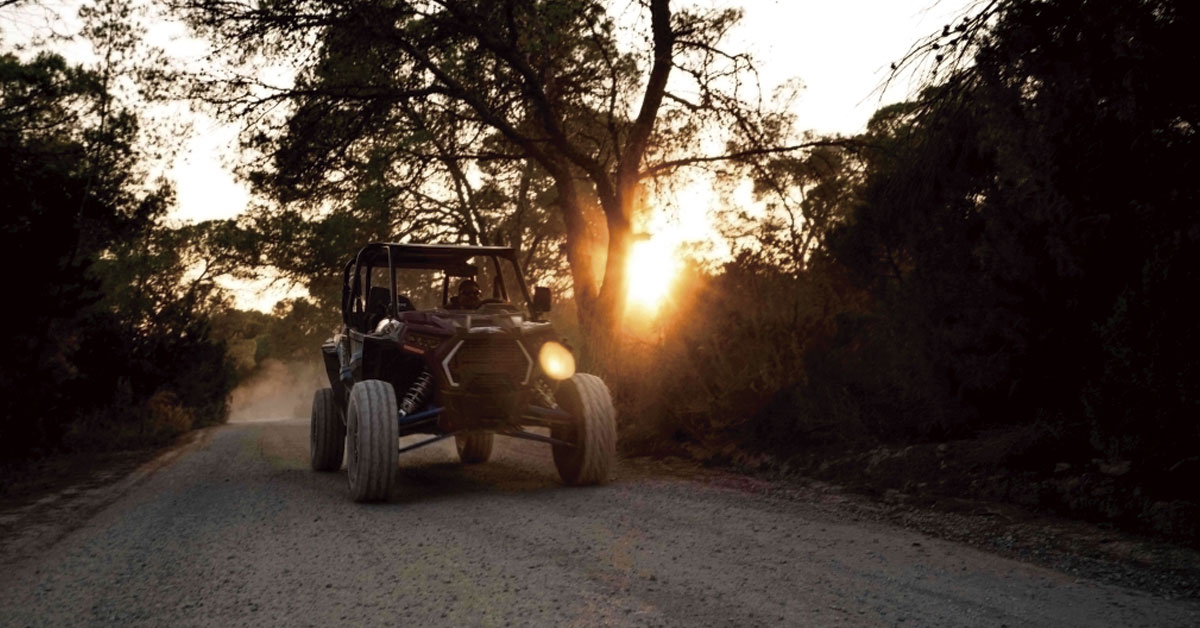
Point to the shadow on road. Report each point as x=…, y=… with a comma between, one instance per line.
x=431, y=473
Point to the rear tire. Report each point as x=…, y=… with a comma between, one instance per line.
x=327, y=432
x=372, y=441
x=474, y=447
x=594, y=431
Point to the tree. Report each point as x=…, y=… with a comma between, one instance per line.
x=805, y=198
x=1028, y=232
x=439, y=92
x=106, y=344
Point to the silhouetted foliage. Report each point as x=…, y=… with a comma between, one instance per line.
x=729, y=367
x=1027, y=229
x=524, y=122
x=1008, y=260
x=293, y=331
x=108, y=345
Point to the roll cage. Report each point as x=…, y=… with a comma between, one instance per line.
x=453, y=260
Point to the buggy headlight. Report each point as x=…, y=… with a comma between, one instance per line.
x=556, y=361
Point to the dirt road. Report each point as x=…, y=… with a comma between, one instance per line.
x=235, y=530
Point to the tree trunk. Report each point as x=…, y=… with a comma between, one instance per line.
x=600, y=317
x=617, y=195
x=579, y=253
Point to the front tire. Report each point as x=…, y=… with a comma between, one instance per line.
x=372, y=441
x=474, y=447
x=327, y=435
x=593, y=432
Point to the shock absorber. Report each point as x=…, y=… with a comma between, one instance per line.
x=416, y=393
x=544, y=392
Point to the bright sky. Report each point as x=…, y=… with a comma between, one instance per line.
x=840, y=50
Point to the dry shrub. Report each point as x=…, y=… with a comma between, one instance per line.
x=242, y=354
x=721, y=363
x=165, y=417
x=124, y=425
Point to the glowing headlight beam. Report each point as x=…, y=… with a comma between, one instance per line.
x=556, y=361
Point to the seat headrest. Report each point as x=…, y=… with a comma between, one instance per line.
x=379, y=297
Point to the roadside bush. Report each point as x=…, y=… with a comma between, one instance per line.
x=124, y=425
x=874, y=378
x=108, y=342
x=1027, y=234
x=724, y=362
x=164, y=417
x=116, y=390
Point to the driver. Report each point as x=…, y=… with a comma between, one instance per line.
x=469, y=294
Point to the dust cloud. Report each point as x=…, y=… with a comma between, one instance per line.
x=280, y=390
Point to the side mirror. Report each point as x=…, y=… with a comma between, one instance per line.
x=541, y=299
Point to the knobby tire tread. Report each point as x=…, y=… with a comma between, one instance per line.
x=474, y=447
x=596, y=436
x=327, y=432
x=373, y=409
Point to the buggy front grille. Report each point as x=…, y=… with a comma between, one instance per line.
x=489, y=357
x=490, y=384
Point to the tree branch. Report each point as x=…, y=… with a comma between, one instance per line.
x=752, y=152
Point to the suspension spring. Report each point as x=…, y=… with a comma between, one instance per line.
x=543, y=390
x=416, y=393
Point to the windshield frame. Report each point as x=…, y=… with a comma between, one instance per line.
x=451, y=260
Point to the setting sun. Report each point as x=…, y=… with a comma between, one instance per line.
x=652, y=268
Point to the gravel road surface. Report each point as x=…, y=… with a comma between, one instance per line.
x=233, y=529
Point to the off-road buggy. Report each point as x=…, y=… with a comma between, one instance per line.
x=410, y=359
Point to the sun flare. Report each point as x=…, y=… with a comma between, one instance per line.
x=651, y=268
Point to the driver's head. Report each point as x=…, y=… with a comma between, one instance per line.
x=469, y=294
